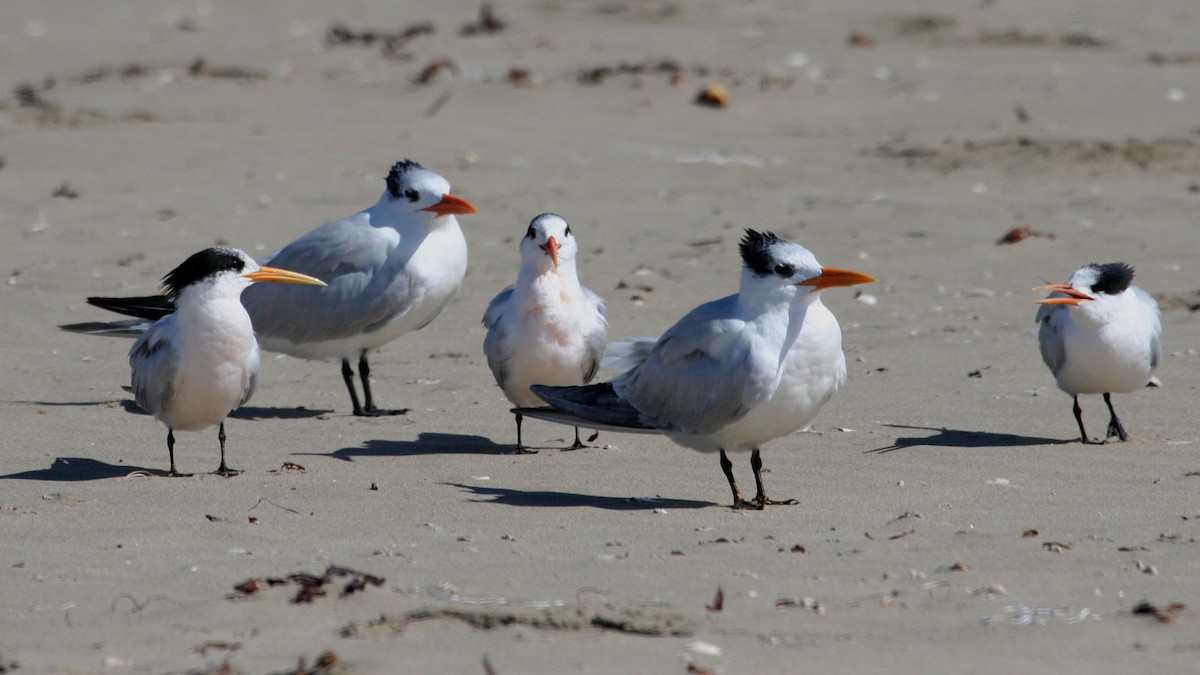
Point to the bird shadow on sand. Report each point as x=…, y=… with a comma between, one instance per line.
x=257, y=413
x=962, y=438
x=242, y=413
x=72, y=404
x=544, y=498
x=427, y=443
x=247, y=412
x=75, y=469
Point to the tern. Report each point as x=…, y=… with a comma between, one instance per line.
x=546, y=328
x=732, y=374
x=194, y=366
x=1100, y=334
x=389, y=270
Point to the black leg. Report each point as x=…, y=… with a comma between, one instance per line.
x=1083, y=437
x=761, y=497
x=521, y=449
x=171, y=453
x=224, y=470
x=739, y=502
x=578, y=444
x=171, y=449
x=1114, y=424
x=364, y=374
x=348, y=377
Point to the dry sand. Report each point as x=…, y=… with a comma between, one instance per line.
x=948, y=519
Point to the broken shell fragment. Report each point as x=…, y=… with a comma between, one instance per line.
x=713, y=95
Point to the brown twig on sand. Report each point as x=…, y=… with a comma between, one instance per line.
x=718, y=603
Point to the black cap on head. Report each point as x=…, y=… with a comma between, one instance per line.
x=1112, y=278
x=755, y=249
x=399, y=169
x=201, y=266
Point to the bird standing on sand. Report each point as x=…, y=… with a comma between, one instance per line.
x=1100, y=334
x=733, y=373
x=194, y=366
x=389, y=270
x=546, y=328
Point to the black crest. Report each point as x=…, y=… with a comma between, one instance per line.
x=1112, y=278
x=398, y=171
x=200, y=266
x=755, y=249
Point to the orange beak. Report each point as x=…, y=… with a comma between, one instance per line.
x=283, y=276
x=551, y=248
x=451, y=205
x=1074, y=297
x=832, y=277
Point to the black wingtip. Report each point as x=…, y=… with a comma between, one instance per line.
x=544, y=391
x=84, y=328
x=597, y=403
x=152, y=307
x=755, y=247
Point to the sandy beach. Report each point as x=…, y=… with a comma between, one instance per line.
x=949, y=519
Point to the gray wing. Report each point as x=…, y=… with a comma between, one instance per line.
x=1156, y=325
x=340, y=247
x=251, y=385
x=629, y=353
x=154, y=360
x=495, y=308
x=348, y=255
x=597, y=339
x=700, y=376
x=496, y=332
x=1052, y=319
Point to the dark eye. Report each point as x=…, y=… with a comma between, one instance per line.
x=568, y=232
x=411, y=195
x=784, y=270
x=529, y=234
